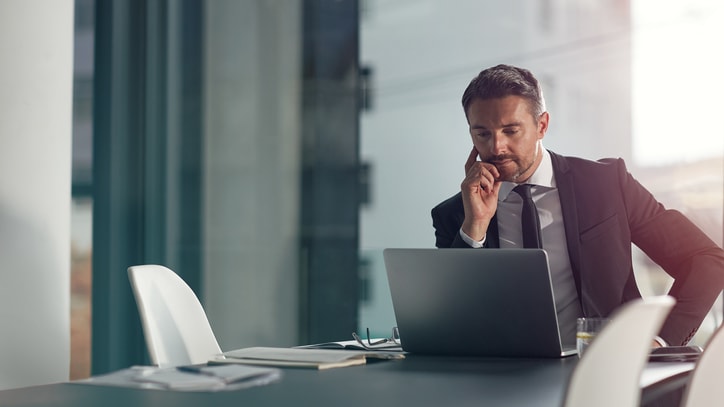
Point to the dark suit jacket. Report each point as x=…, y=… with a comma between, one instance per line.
x=605, y=210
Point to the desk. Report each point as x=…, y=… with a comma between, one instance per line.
x=415, y=381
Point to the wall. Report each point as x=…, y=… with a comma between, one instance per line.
x=36, y=49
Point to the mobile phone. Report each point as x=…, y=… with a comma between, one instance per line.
x=675, y=354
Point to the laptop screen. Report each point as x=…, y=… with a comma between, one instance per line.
x=484, y=302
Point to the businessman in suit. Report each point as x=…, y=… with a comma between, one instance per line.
x=590, y=212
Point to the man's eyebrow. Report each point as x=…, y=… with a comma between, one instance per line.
x=481, y=127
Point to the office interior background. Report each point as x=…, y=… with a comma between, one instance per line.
x=268, y=151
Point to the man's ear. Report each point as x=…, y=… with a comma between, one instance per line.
x=543, y=124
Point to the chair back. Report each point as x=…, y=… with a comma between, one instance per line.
x=175, y=325
x=705, y=384
x=609, y=372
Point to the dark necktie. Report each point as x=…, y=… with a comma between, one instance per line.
x=529, y=218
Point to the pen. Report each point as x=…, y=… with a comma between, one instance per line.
x=193, y=369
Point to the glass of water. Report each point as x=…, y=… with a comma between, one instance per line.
x=586, y=331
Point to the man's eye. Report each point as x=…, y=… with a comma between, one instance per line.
x=510, y=132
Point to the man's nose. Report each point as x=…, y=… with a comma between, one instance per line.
x=499, y=144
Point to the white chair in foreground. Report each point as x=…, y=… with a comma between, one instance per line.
x=705, y=386
x=175, y=325
x=610, y=370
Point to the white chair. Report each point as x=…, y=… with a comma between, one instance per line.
x=175, y=325
x=705, y=385
x=610, y=370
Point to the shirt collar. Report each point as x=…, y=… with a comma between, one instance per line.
x=543, y=176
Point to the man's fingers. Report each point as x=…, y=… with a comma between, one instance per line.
x=485, y=170
x=490, y=169
x=480, y=177
x=496, y=188
x=494, y=171
x=472, y=159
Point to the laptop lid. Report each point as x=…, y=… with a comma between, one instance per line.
x=465, y=302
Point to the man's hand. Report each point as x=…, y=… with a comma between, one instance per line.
x=480, y=195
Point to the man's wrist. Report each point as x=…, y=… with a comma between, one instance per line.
x=476, y=244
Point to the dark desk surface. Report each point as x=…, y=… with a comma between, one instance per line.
x=417, y=381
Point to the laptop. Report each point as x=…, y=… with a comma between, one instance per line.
x=465, y=302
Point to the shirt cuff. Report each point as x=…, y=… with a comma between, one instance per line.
x=661, y=341
x=475, y=244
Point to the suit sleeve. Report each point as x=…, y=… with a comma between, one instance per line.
x=447, y=217
x=684, y=251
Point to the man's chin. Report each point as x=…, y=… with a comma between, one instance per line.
x=508, y=176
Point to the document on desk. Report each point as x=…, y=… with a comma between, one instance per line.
x=188, y=378
x=294, y=357
x=201, y=377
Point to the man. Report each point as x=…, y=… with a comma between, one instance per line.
x=590, y=212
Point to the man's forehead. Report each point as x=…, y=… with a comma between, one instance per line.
x=499, y=112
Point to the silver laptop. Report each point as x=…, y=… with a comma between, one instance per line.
x=466, y=302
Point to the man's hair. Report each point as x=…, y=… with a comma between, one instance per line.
x=505, y=80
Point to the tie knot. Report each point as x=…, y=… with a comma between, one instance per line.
x=523, y=190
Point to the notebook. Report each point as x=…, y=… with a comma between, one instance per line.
x=466, y=302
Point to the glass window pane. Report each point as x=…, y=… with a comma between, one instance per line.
x=621, y=79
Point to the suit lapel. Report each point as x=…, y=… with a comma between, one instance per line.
x=566, y=192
